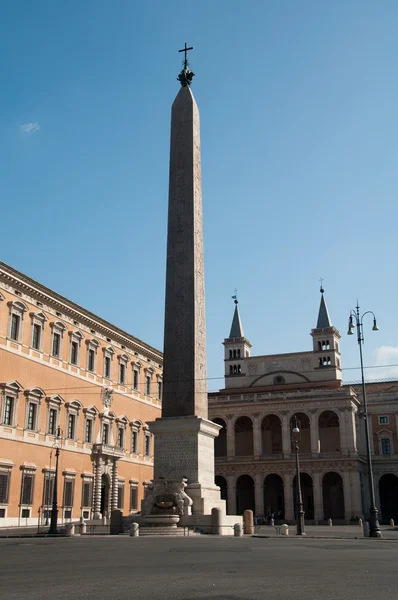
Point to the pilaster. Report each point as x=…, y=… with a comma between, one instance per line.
x=256, y=435
x=288, y=496
x=231, y=490
x=314, y=429
x=259, y=494
x=318, y=498
x=230, y=437
x=356, y=496
x=348, y=511
x=286, y=437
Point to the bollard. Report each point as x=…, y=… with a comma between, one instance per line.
x=366, y=529
x=272, y=522
x=83, y=528
x=284, y=529
x=330, y=522
x=216, y=521
x=248, y=522
x=238, y=530
x=134, y=530
x=360, y=523
x=392, y=523
x=70, y=530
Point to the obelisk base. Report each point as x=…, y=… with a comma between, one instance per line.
x=184, y=450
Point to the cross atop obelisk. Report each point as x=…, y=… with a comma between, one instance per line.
x=185, y=77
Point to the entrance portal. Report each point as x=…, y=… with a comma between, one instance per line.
x=274, y=500
x=307, y=494
x=244, y=494
x=105, y=489
x=333, y=496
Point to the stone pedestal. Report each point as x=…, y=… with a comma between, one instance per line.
x=184, y=448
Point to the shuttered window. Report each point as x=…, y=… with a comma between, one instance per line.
x=68, y=492
x=28, y=480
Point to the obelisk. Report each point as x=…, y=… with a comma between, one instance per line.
x=183, y=436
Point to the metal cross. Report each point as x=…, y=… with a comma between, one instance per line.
x=235, y=296
x=185, y=50
x=321, y=280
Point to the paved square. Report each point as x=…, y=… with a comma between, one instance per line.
x=198, y=569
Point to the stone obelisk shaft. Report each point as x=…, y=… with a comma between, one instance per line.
x=184, y=370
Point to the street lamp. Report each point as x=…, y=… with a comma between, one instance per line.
x=54, y=511
x=356, y=320
x=299, y=498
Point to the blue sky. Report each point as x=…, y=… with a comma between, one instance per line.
x=298, y=105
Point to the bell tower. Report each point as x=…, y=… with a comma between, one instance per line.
x=236, y=346
x=325, y=339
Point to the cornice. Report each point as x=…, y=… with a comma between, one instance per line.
x=75, y=311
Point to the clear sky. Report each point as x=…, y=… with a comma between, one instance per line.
x=298, y=105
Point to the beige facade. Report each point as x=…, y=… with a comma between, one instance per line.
x=66, y=373
x=255, y=459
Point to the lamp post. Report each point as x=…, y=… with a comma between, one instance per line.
x=299, y=498
x=356, y=320
x=54, y=511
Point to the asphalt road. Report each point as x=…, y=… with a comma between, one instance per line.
x=201, y=568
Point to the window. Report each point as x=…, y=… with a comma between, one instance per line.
x=69, y=486
x=4, y=485
x=32, y=410
x=147, y=448
x=28, y=480
x=120, y=437
x=48, y=488
x=122, y=373
x=88, y=434
x=36, y=336
x=133, y=497
x=107, y=367
x=384, y=420
x=105, y=433
x=385, y=446
x=15, y=327
x=52, y=421
x=135, y=379
x=56, y=348
x=120, y=496
x=92, y=347
x=91, y=360
x=148, y=385
x=134, y=441
x=9, y=411
x=71, y=426
x=87, y=494
x=74, y=350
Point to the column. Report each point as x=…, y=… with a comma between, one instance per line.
x=350, y=429
x=348, y=511
x=318, y=498
x=286, y=437
x=343, y=431
x=114, y=492
x=288, y=496
x=97, y=490
x=256, y=435
x=356, y=496
x=314, y=432
x=230, y=437
x=231, y=479
x=259, y=494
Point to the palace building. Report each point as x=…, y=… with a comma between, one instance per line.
x=71, y=379
x=262, y=397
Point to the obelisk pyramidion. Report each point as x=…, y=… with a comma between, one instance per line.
x=184, y=437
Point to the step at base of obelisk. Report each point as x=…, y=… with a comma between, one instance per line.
x=162, y=531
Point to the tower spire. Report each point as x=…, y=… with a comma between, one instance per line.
x=323, y=314
x=236, y=327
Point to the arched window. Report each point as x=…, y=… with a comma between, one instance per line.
x=279, y=380
x=231, y=370
x=220, y=442
x=238, y=353
x=230, y=354
x=234, y=353
x=243, y=437
x=329, y=432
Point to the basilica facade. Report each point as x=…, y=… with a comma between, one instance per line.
x=73, y=381
x=264, y=397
